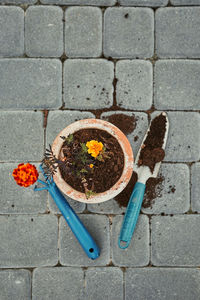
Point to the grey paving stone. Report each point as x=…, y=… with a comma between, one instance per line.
x=77, y=206
x=137, y=254
x=177, y=84
x=72, y=254
x=135, y=138
x=11, y=31
x=15, y=284
x=21, y=136
x=58, y=120
x=104, y=283
x=175, y=240
x=151, y=3
x=195, y=187
x=81, y=2
x=183, y=144
x=135, y=84
x=108, y=207
x=28, y=241
x=177, y=177
x=44, y=31
x=185, y=2
x=18, y=1
x=58, y=283
x=128, y=32
x=177, y=32
x=30, y=84
x=162, y=284
x=88, y=83
x=15, y=199
x=83, y=32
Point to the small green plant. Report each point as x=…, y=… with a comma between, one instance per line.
x=68, y=139
x=89, y=193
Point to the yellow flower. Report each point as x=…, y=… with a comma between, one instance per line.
x=91, y=166
x=94, y=147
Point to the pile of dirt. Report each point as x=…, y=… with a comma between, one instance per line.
x=125, y=123
x=152, y=151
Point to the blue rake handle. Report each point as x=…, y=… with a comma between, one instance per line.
x=77, y=227
x=131, y=215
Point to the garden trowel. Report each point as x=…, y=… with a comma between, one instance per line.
x=135, y=202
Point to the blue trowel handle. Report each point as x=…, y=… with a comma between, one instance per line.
x=131, y=215
x=77, y=227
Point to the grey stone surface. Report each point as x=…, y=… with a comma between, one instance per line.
x=185, y=2
x=83, y=32
x=30, y=84
x=177, y=177
x=81, y=2
x=183, y=144
x=108, y=207
x=177, y=84
x=44, y=31
x=11, y=31
x=58, y=283
x=28, y=241
x=15, y=199
x=104, y=283
x=136, y=137
x=137, y=254
x=76, y=205
x=18, y=2
x=72, y=254
x=162, y=284
x=15, y=284
x=151, y=3
x=58, y=120
x=135, y=84
x=128, y=32
x=195, y=187
x=175, y=240
x=21, y=136
x=88, y=83
x=177, y=32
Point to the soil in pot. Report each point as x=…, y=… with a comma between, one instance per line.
x=86, y=173
x=152, y=151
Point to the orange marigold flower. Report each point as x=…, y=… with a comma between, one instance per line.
x=94, y=147
x=91, y=166
x=25, y=175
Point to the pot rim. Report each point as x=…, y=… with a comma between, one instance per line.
x=128, y=160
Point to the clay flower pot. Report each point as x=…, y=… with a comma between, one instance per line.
x=128, y=160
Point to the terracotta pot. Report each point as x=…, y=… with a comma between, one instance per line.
x=128, y=160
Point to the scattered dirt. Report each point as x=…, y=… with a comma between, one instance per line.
x=152, y=151
x=154, y=187
x=125, y=123
x=172, y=189
x=123, y=198
x=76, y=169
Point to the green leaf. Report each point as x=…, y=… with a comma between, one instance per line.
x=69, y=139
x=83, y=171
x=84, y=147
x=100, y=157
x=90, y=193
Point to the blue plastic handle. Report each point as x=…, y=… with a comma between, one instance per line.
x=86, y=241
x=131, y=215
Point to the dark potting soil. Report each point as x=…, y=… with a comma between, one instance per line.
x=123, y=197
x=125, y=123
x=104, y=174
x=152, y=151
x=154, y=187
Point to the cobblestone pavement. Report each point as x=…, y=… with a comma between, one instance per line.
x=75, y=58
